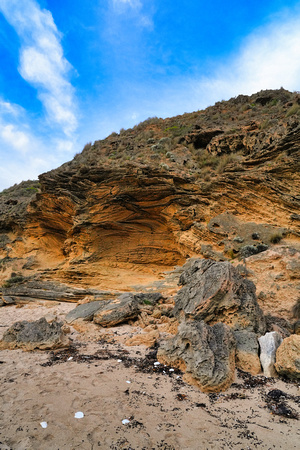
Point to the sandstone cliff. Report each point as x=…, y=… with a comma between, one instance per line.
x=223, y=183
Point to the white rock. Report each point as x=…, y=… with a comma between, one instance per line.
x=79, y=415
x=44, y=424
x=125, y=421
x=269, y=344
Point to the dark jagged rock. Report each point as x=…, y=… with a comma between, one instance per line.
x=206, y=354
x=215, y=292
x=34, y=335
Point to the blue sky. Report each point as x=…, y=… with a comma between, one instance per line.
x=73, y=71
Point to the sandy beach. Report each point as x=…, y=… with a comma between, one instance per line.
x=128, y=401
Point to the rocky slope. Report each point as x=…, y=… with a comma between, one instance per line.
x=223, y=183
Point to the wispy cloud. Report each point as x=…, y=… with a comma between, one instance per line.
x=131, y=3
x=136, y=9
x=42, y=63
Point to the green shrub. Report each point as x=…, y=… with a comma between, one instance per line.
x=295, y=109
x=13, y=280
x=264, y=125
x=231, y=253
x=224, y=160
x=206, y=159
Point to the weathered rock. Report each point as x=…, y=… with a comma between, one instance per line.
x=146, y=339
x=34, y=289
x=293, y=268
x=279, y=324
x=246, y=357
x=297, y=327
x=249, y=250
x=8, y=300
x=125, y=307
x=34, y=335
x=288, y=357
x=215, y=292
x=206, y=354
x=150, y=298
x=247, y=239
x=85, y=311
x=269, y=344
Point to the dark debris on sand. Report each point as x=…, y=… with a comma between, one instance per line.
x=143, y=364
x=276, y=402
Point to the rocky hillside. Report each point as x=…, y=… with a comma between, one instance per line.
x=223, y=183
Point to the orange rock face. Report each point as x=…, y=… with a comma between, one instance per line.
x=137, y=204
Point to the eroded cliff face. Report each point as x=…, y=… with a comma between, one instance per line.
x=222, y=183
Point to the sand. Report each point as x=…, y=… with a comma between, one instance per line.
x=119, y=383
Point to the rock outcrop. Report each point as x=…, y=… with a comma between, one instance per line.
x=288, y=357
x=215, y=292
x=206, y=354
x=223, y=182
x=34, y=335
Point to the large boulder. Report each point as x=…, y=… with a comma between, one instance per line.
x=34, y=335
x=215, y=292
x=206, y=354
x=246, y=357
x=125, y=307
x=288, y=357
x=269, y=344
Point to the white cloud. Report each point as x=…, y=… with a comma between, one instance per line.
x=268, y=59
x=14, y=138
x=24, y=156
x=9, y=108
x=42, y=63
